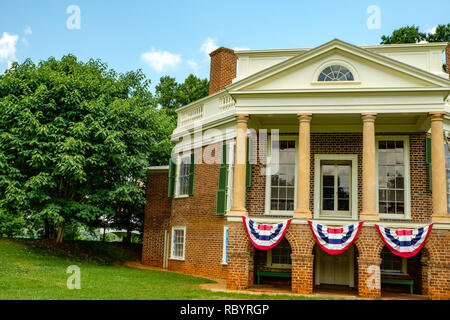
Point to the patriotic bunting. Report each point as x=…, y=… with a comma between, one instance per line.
x=404, y=242
x=265, y=236
x=335, y=240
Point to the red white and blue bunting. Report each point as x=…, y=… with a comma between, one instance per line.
x=265, y=236
x=335, y=240
x=404, y=242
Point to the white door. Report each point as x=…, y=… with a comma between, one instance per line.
x=166, y=249
x=334, y=269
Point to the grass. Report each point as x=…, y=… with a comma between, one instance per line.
x=35, y=269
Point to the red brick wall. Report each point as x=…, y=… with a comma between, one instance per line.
x=204, y=228
x=223, y=69
x=447, y=59
x=157, y=214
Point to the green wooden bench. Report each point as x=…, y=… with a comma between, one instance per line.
x=260, y=274
x=399, y=281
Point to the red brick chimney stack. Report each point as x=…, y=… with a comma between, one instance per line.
x=447, y=59
x=223, y=69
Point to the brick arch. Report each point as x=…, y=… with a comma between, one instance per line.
x=299, y=241
x=369, y=243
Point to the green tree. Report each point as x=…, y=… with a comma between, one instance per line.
x=171, y=95
x=72, y=135
x=408, y=34
x=442, y=34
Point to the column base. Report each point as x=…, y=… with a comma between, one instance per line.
x=444, y=219
x=369, y=216
x=238, y=212
x=302, y=214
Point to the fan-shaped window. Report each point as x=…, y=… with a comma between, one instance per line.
x=336, y=73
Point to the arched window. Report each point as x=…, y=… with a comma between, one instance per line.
x=336, y=73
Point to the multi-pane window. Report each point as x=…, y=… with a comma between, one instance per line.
x=225, y=245
x=391, y=263
x=183, y=175
x=281, y=254
x=282, y=191
x=391, y=177
x=335, y=73
x=336, y=179
x=178, y=235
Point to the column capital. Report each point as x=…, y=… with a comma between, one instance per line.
x=368, y=116
x=242, y=117
x=436, y=115
x=304, y=117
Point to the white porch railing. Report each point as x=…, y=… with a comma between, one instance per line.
x=226, y=102
x=205, y=108
x=191, y=114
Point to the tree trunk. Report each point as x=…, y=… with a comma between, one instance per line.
x=60, y=236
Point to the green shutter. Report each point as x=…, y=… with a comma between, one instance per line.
x=248, y=168
x=428, y=150
x=221, y=199
x=172, y=171
x=192, y=175
x=428, y=159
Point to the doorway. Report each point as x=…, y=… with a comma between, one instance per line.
x=335, y=269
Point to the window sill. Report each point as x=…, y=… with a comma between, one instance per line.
x=394, y=273
x=182, y=196
x=280, y=213
x=176, y=259
x=274, y=266
x=394, y=216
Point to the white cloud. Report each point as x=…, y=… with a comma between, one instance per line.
x=27, y=31
x=431, y=30
x=193, y=65
x=8, y=47
x=160, y=60
x=240, y=48
x=209, y=46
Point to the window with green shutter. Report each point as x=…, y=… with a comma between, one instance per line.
x=192, y=175
x=221, y=199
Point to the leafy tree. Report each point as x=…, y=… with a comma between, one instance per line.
x=408, y=34
x=72, y=136
x=171, y=95
x=442, y=34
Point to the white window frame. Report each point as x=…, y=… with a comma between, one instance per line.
x=269, y=263
x=407, y=185
x=180, y=157
x=318, y=185
x=268, y=211
x=172, y=244
x=225, y=245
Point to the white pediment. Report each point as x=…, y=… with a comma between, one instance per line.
x=370, y=70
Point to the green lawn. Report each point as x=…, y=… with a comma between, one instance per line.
x=32, y=269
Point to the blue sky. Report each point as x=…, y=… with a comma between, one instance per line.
x=174, y=37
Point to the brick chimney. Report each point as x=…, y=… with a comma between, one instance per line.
x=223, y=69
x=447, y=59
